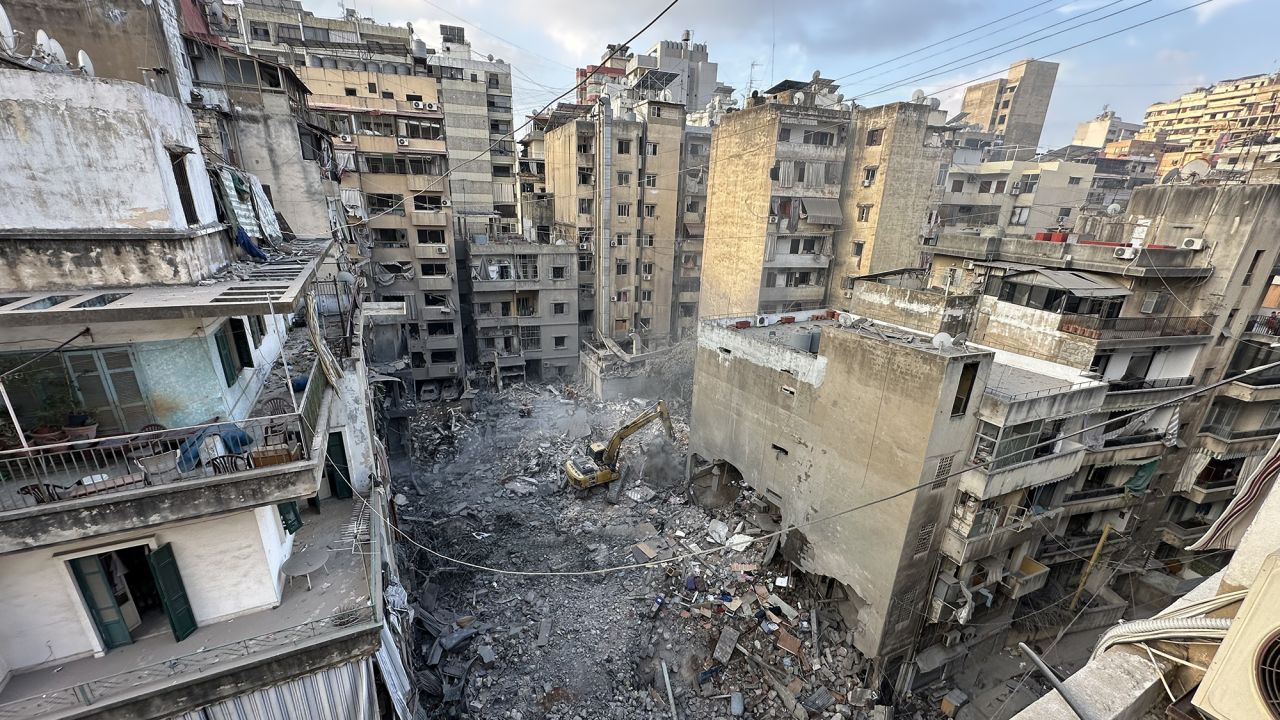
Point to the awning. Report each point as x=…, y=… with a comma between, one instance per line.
x=935, y=656
x=1080, y=284
x=694, y=229
x=384, y=378
x=822, y=211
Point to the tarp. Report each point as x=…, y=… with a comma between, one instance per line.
x=695, y=229
x=237, y=194
x=823, y=211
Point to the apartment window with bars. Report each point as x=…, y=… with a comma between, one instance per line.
x=924, y=538
x=944, y=469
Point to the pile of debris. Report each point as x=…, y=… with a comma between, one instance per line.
x=591, y=622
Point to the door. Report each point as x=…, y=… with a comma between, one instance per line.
x=164, y=568
x=109, y=388
x=101, y=600
x=335, y=466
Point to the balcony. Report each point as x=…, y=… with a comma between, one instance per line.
x=70, y=490
x=1181, y=533
x=1126, y=450
x=798, y=260
x=1097, y=257
x=1134, y=394
x=429, y=218
x=431, y=251
x=424, y=183
x=962, y=549
x=157, y=677
x=435, y=282
x=1225, y=439
x=1254, y=388
x=1208, y=490
x=1029, y=576
x=985, y=483
x=1098, y=499
x=798, y=293
x=1263, y=325
x=1057, y=548
x=1100, y=328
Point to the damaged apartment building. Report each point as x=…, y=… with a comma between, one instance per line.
x=186, y=447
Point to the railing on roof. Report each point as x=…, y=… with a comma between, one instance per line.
x=1046, y=392
x=193, y=664
x=1121, y=385
x=1100, y=328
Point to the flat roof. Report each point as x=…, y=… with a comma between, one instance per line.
x=273, y=287
x=786, y=329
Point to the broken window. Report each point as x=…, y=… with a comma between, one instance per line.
x=531, y=337
x=430, y=237
x=444, y=356
x=875, y=136
x=964, y=389
x=864, y=213
x=435, y=269
x=239, y=71
x=178, y=161
x=439, y=328
x=384, y=204
x=559, y=272
x=984, y=186
x=957, y=186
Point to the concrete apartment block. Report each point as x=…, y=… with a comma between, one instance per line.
x=1013, y=106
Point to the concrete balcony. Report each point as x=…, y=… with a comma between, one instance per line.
x=425, y=183
x=431, y=251
x=1181, y=533
x=1126, y=450
x=1168, y=262
x=51, y=494
x=1210, y=491
x=985, y=483
x=798, y=260
x=1128, y=328
x=435, y=282
x=442, y=371
x=1083, y=502
x=804, y=151
x=802, y=293
x=427, y=342
x=963, y=549
x=1029, y=576
x=802, y=190
x=1243, y=390
x=1224, y=439
x=429, y=218
x=1134, y=394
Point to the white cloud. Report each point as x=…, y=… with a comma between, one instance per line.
x=1205, y=13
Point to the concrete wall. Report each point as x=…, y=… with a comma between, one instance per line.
x=1033, y=80
x=743, y=149
x=65, y=259
x=923, y=310
x=80, y=153
x=1031, y=332
x=270, y=148
x=814, y=434
x=223, y=561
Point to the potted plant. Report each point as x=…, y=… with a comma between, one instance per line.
x=81, y=425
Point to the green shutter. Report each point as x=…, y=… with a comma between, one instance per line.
x=240, y=340
x=173, y=594
x=289, y=517
x=229, y=370
x=100, y=599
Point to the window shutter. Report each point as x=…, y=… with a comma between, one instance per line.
x=290, y=517
x=229, y=369
x=173, y=594
x=129, y=399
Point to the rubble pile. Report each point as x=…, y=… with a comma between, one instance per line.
x=724, y=630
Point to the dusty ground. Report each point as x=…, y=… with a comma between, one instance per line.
x=486, y=489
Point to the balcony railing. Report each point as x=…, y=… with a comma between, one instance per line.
x=1145, y=384
x=192, y=664
x=1225, y=432
x=1095, y=493
x=1263, y=325
x=1100, y=328
x=1045, y=392
x=93, y=468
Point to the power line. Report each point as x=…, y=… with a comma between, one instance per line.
x=496, y=36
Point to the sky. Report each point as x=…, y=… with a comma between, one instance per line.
x=759, y=42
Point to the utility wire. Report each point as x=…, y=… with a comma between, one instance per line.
x=823, y=519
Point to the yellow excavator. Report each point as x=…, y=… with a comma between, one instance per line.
x=601, y=467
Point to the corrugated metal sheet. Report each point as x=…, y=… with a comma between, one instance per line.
x=337, y=693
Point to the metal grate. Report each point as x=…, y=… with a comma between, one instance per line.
x=944, y=469
x=924, y=538
x=1269, y=675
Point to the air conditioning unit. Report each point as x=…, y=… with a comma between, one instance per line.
x=1192, y=243
x=866, y=183
x=951, y=638
x=967, y=264
x=506, y=331
x=442, y=250
x=402, y=142
x=344, y=138
x=1015, y=190
x=613, y=298
x=848, y=294
x=1243, y=680
x=453, y=369
x=613, y=243
x=445, y=202
x=1126, y=253
x=419, y=105
x=646, y=277
x=584, y=246
x=773, y=219
x=433, y=107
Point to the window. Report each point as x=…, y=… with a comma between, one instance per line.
x=373, y=88
x=624, y=209
x=384, y=203
x=560, y=341
x=647, y=241
x=650, y=148
x=428, y=202
x=650, y=180
x=584, y=206
x=559, y=272
x=624, y=178
x=421, y=129
x=620, y=240
x=234, y=352
x=1000, y=186
x=1253, y=266
x=650, y=210
x=1019, y=216
x=412, y=98
x=864, y=213
x=655, y=111
x=431, y=237
x=388, y=95
x=559, y=308
x=1029, y=182
x=1073, y=180
x=784, y=134
x=957, y=186
x=858, y=247
x=259, y=31
x=964, y=388
x=647, y=268
x=1001, y=120
x=1064, y=212
x=646, y=296
x=622, y=268
x=178, y=161
x=435, y=269
x=696, y=149
x=817, y=137
x=875, y=136
x=257, y=328
x=984, y=186
x=692, y=206
x=350, y=92
x=869, y=175
x=240, y=72
x=586, y=176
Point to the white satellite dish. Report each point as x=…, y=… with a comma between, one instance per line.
x=798, y=98
x=7, y=40
x=1114, y=209
x=942, y=340
x=42, y=44
x=1199, y=167
x=56, y=53
x=86, y=65
x=918, y=97
x=959, y=340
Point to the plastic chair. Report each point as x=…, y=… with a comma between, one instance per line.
x=224, y=464
x=160, y=468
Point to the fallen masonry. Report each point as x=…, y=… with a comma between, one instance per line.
x=725, y=629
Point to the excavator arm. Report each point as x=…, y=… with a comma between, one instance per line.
x=658, y=411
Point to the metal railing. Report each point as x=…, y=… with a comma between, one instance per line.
x=1096, y=493
x=1225, y=432
x=1146, y=384
x=88, y=693
x=1263, y=325
x=1100, y=328
x=1014, y=397
x=95, y=468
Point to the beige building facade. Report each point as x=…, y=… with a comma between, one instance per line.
x=1013, y=106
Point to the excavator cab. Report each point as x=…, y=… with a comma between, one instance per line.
x=601, y=467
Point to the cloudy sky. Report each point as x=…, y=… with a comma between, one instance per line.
x=758, y=42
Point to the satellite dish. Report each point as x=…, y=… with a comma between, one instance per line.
x=7, y=40
x=56, y=52
x=942, y=341
x=918, y=96
x=1170, y=177
x=86, y=65
x=817, y=75
x=1114, y=209
x=960, y=340
x=42, y=44
x=1199, y=167
x=798, y=98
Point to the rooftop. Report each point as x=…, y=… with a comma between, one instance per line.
x=799, y=331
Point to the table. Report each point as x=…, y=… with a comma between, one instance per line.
x=305, y=562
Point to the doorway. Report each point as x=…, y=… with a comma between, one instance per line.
x=335, y=467
x=133, y=593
